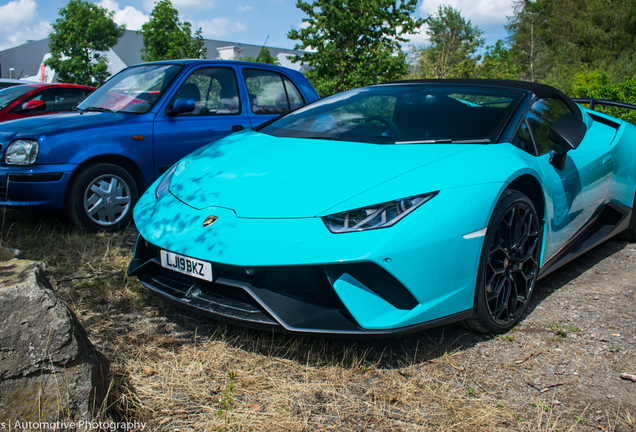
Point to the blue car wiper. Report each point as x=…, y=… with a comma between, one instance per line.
x=321, y=138
x=435, y=141
x=447, y=141
x=473, y=141
x=99, y=109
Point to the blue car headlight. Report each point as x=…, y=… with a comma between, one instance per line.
x=164, y=185
x=22, y=152
x=376, y=216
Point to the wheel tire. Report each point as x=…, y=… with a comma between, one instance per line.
x=508, y=266
x=629, y=235
x=101, y=198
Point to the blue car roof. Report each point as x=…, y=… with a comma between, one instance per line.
x=538, y=89
x=216, y=61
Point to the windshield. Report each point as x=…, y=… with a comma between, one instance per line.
x=134, y=90
x=8, y=95
x=404, y=114
x=4, y=85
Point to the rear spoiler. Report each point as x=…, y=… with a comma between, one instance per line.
x=593, y=102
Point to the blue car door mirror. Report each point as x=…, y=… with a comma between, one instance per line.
x=566, y=133
x=182, y=106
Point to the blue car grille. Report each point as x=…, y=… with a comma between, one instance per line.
x=308, y=283
x=296, y=296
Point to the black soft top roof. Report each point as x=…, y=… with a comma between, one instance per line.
x=539, y=90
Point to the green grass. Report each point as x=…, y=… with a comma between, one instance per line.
x=558, y=330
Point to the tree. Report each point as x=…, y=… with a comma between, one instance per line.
x=453, y=45
x=82, y=33
x=498, y=63
x=166, y=38
x=596, y=84
x=524, y=27
x=553, y=40
x=264, y=57
x=355, y=42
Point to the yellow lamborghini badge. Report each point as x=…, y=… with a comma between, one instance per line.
x=209, y=221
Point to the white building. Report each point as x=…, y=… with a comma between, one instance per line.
x=26, y=60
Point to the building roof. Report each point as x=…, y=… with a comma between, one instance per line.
x=27, y=58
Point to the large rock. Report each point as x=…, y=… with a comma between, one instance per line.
x=49, y=369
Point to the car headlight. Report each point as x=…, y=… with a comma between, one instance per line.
x=22, y=152
x=376, y=216
x=164, y=185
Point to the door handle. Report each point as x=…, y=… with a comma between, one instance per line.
x=607, y=159
x=237, y=128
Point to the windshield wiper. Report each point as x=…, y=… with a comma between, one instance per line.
x=99, y=109
x=447, y=141
x=473, y=141
x=436, y=141
x=327, y=138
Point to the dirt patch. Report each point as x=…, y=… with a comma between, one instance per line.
x=560, y=369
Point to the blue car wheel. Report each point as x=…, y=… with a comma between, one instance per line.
x=101, y=198
x=509, y=264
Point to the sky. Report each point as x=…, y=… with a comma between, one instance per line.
x=243, y=21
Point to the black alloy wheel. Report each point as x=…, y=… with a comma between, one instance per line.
x=509, y=265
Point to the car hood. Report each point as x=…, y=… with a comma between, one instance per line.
x=34, y=127
x=260, y=176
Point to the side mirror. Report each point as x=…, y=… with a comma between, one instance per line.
x=33, y=106
x=183, y=105
x=566, y=133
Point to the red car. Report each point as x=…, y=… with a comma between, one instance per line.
x=36, y=99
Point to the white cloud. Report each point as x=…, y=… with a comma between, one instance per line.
x=16, y=13
x=418, y=39
x=183, y=5
x=193, y=4
x=489, y=15
x=133, y=18
x=218, y=27
x=486, y=14
x=19, y=21
x=245, y=8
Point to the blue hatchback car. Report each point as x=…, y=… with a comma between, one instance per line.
x=97, y=160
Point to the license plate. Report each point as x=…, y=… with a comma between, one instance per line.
x=185, y=265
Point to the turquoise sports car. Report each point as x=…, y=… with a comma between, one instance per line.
x=389, y=208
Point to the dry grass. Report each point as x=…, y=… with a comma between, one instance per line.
x=179, y=371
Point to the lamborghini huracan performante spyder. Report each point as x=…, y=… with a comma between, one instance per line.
x=389, y=208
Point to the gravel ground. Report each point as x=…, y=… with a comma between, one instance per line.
x=567, y=356
x=559, y=370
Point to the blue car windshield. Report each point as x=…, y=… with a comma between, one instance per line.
x=135, y=90
x=404, y=114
